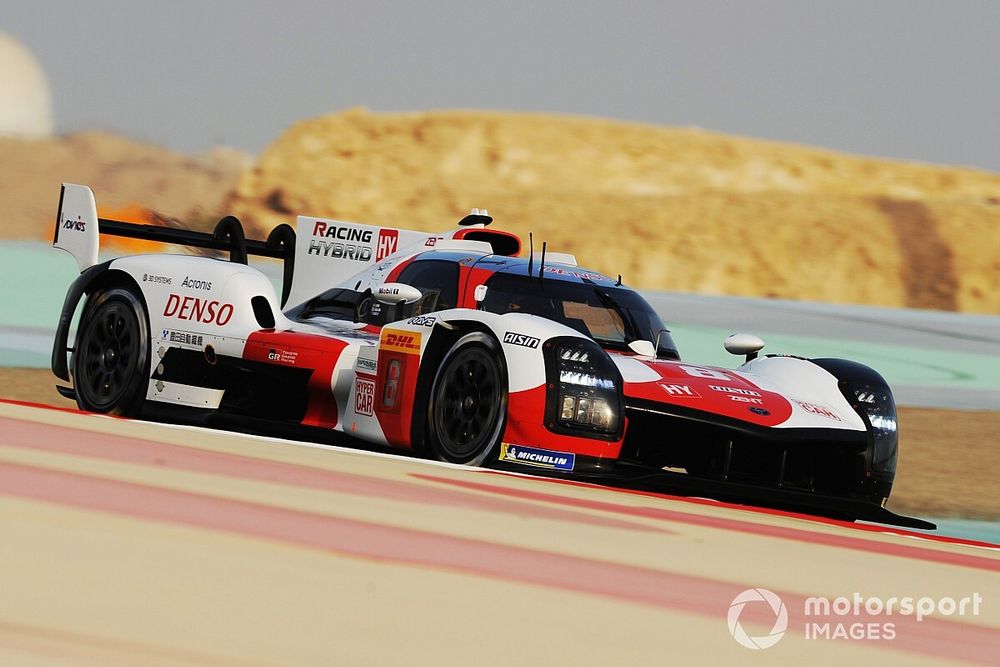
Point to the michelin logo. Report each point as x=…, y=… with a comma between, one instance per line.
x=542, y=458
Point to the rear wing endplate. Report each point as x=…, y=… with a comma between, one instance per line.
x=78, y=231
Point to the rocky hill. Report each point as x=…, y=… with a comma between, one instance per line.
x=668, y=208
x=679, y=209
x=125, y=175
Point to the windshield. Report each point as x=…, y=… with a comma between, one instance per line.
x=614, y=317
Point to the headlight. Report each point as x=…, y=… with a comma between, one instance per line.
x=875, y=402
x=583, y=395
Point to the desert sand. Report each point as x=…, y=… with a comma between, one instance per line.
x=668, y=208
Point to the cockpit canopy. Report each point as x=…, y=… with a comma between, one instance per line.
x=612, y=315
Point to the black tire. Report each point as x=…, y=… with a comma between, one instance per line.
x=467, y=410
x=111, y=353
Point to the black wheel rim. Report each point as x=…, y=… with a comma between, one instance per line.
x=467, y=404
x=110, y=351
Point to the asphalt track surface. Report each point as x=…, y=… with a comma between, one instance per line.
x=128, y=543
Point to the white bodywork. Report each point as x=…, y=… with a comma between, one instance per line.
x=206, y=305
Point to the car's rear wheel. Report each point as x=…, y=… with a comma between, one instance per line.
x=111, y=354
x=467, y=410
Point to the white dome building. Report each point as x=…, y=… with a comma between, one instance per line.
x=25, y=100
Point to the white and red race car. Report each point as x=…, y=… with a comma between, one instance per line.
x=453, y=346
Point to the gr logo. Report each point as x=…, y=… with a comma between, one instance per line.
x=754, y=596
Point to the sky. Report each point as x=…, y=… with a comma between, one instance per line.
x=907, y=79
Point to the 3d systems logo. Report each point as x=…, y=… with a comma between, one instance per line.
x=780, y=618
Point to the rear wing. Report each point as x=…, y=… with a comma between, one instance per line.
x=328, y=252
x=332, y=251
x=78, y=231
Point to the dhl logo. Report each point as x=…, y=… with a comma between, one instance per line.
x=401, y=341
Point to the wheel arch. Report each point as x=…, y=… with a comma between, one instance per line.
x=108, y=295
x=877, y=413
x=443, y=336
x=97, y=277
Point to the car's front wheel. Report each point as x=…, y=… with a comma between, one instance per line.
x=467, y=410
x=111, y=354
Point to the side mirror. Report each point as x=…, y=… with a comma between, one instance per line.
x=643, y=348
x=391, y=294
x=742, y=343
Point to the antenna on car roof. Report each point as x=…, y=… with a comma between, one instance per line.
x=531, y=253
x=618, y=284
x=541, y=269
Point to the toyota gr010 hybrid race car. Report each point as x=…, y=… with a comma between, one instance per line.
x=454, y=347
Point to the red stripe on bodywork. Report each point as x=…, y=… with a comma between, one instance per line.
x=638, y=585
x=311, y=351
x=398, y=269
x=526, y=426
x=781, y=532
x=691, y=386
x=469, y=278
x=394, y=405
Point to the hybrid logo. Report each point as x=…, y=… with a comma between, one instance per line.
x=752, y=595
x=340, y=250
x=335, y=248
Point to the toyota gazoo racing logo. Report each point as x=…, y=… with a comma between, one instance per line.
x=753, y=596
